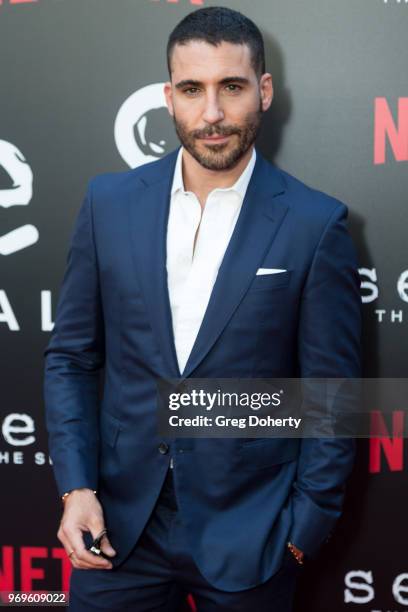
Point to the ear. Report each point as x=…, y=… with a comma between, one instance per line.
x=266, y=89
x=168, y=94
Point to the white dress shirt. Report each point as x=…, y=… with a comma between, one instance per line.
x=191, y=272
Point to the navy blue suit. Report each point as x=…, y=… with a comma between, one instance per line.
x=241, y=500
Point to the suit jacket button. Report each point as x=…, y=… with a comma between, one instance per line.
x=163, y=448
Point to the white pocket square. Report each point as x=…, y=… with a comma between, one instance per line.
x=261, y=271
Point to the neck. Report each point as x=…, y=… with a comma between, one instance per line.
x=201, y=181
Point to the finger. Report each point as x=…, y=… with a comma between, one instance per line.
x=77, y=564
x=70, y=548
x=71, y=555
x=63, y=535
x=106, y=547
x=82, y=555
x=78, y=560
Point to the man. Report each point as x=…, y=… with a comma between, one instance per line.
x=162, y=282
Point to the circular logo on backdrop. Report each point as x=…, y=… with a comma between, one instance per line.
x=20, y=194
x=143, y=128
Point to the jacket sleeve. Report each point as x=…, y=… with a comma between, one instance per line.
x=329, y=346
x=73, y=359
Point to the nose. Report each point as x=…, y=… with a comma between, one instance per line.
x=213, y=112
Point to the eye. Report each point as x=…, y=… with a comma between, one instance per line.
x=234, y=87
x=190, y=91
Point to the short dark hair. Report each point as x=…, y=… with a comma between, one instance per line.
x=218, y=24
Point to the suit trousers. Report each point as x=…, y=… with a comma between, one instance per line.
x=160, y=574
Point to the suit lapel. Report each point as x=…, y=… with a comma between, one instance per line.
x=148, y=216
x=261, y=214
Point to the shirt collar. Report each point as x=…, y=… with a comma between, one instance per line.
x=240, y=185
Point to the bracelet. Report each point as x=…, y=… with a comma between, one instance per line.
x=298, y=555
x=64, y=497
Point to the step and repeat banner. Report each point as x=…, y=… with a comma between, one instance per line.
x=82, y=94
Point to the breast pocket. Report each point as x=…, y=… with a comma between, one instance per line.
x=263, y=304
x=265, y=282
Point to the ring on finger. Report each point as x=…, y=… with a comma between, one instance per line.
x=101, y=534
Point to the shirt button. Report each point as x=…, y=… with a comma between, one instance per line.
x=163, y=448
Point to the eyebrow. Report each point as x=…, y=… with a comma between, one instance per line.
x=225, y=81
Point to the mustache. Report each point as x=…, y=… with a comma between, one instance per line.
x=215, y=131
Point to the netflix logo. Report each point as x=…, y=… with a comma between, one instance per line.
x=24, y=568
x=386, y=452
x=392, y=129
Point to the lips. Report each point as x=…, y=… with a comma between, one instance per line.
x=215, y=138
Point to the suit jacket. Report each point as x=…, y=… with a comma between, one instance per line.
x=241, y=500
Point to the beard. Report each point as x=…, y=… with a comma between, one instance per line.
x=220, y=156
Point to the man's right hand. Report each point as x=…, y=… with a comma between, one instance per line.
x=82, y=513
